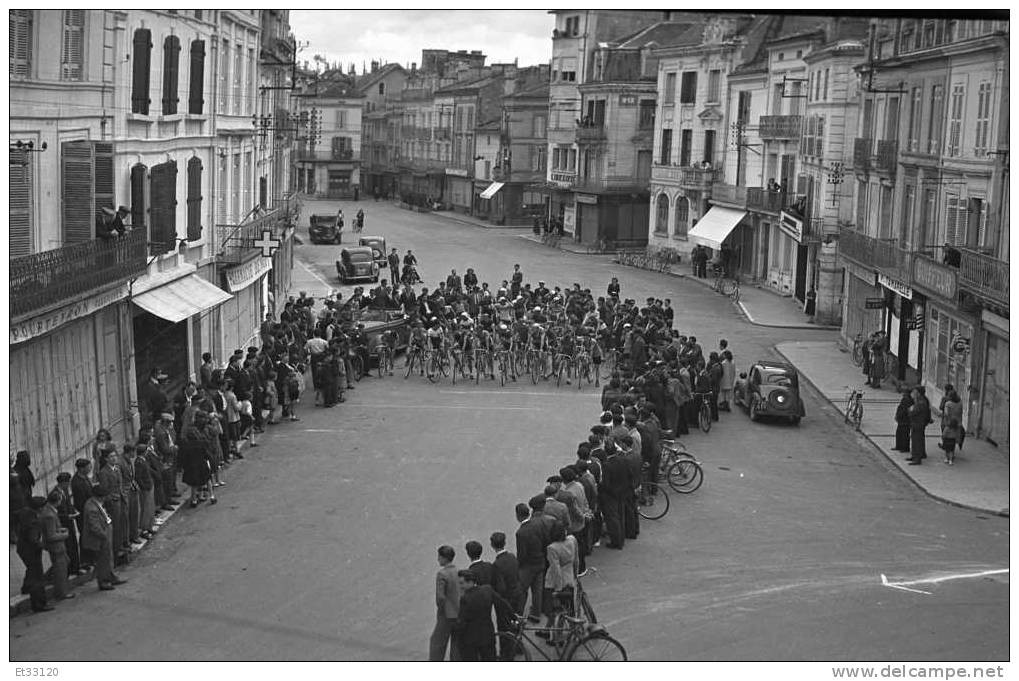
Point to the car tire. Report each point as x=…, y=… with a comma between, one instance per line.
x=754, y=414
x=795, y=420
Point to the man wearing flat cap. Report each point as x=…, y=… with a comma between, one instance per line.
x=97, y=536
x=166, y=448
x=152, y=397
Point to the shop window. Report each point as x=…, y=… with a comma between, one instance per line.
x=662, y=214
x=682, y=217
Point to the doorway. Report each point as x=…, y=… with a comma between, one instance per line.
x=800, y=290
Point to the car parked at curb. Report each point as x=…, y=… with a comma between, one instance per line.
x=357, y=263
x=770, y=389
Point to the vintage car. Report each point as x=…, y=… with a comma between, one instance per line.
x=357, y=264
x=322, y=229
x=378, y=321
x=770, y=389
x=378, y=246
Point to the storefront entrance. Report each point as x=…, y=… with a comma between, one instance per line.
x=994, y=423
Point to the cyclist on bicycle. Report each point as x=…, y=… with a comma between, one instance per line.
x=435, y=334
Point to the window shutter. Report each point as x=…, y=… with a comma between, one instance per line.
x=171, y=51
x=138, y=173
x=20, y=42
x=196, y=100
x=73, y=48
x=20, y=192
x=263, y=191
x=194, y=199
x=163, y=193
x=76, y=191
x=103, y=175
x=140, y=71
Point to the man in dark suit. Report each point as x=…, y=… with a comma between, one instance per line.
x=475, y=633
x=447, y=603
x=152, y=398
x=97, y=536
x=531, y=544
x=611, y=492
x=506, y=582
x=81, y=491
x=482, y=569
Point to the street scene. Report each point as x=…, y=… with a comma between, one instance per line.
x=693, y=387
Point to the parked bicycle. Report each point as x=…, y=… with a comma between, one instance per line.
x=704, y=411
x=385, y=355
x=572, y=639
x=854, y=407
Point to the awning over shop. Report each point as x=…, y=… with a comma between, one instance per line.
x=181, y=298
x=716, y=224
x=491, y=190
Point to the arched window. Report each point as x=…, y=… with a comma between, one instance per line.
x=682, y=216
x=662, y=214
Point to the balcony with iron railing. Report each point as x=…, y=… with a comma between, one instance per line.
x=984, y=275
x=763, y=199
x=236, y=241
x=886, y=160
x=862, y=151
x=612, y=183
x=41, y=280
x=590, y=133
x=881, y=254
x=729, y=195
x=780, y=127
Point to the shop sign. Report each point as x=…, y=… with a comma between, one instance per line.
x=874, y=303
x=792, y=226
x=457, y=172
x=242, y=276
x=564, y=180
x=587, y=198
x=934, y=277
x=37, y=326
x=895, y=286
x=627, y=100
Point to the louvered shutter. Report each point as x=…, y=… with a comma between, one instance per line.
x=20, y=192
x=138, y=196
x=76, y=191
x=20, y=42
x=140, y=71
x=194, y=199
x=263, y=191
x=196, y=100
x=73, y=48
x=163, y=193
x=171, y=52
x=103, y=174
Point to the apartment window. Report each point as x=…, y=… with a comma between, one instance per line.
x=196, y=91
x=688, y=88
x=644, y=164
x=662, y=214
x=819, y=139
x=224, y=78
x=670, y=89
x=163, y=211
x=238, y=76
x=682, y=217
x=646, y=114
x=955, y=120
x=666, y=152
x=915, y=116
x=139, y=174
x=709, y=146
x=955, y=214
x=382, y=88
x=341, y=119
x=540, y=124
x=905, y=226
x=539, y=158
x=937, y=119
x=20, y=45
x=743, y=108
x=568, y=76
x=685, y=142
x=194, y=200
x=141, y=57
x=816, y=81
x=976, y=223
x=892, y=119
x=171, y=50
x=861, y=206
x=714, y=85
x=20, y=207
x=886, y=213
x=868, y=119
x=86, y=187
x=983, y=119
x=72, y=51
x=825, y=92
x=572, y=165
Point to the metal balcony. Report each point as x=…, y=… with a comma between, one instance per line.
x=590, y=134
x=760, y=198
x=879, y=254
x=48, y=278
x=984, y=275
x=780, y=127
x=697, y=178
x=886, y=160
x=236, y=241
x=613, y=183
x=862, y=148
x=729, y=194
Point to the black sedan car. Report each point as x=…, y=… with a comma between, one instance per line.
x=770, y=389
x=323, y=229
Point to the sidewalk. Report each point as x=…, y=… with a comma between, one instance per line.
x=468, y=219
x=979, y=478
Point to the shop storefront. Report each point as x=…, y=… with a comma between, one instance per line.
x=241, y=316
x=863, y=304
x=902, y=324
x=948, y=355
x=460, y=190
x=991, y=415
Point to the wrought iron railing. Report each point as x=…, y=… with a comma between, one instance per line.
x=862, y=148
x=612, y=183
x=590, y=133
x=729, y=194
x=235, y=241
x=983, y=274
x=697, y=177
x=43, y=279
x=780, y=127
x=760, y=198
x=886, y=159
x=881, y=254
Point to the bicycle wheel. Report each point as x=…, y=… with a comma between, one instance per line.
x=503, y=361
x=704, y=417
x=652, y=501
x=411, y=360
x=432, y=369
x=597, y=647
x=858, y=353
x=380, y=364
x=735, y=293
x=849, y=409
x=857, y=415
x=559, y=373
x=507, y=642
x=357, y=367
x=534, y=366
x=443, y=362
x=685, y=476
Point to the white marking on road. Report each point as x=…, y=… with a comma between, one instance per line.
x=504, y=392
x=329, y=287
x=937, y=580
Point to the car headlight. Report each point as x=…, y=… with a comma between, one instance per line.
x=780, y=399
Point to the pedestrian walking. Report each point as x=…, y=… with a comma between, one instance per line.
x=447, y=608
x=949, y=437
x=727, y=381
x=902, y=426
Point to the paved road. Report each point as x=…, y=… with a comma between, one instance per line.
x=323, y=545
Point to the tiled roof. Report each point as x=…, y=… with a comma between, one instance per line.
x=665, y=34
x=370, y=79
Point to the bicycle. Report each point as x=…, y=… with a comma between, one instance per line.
x=482, y=364
x=457, y=365
x=685, y=476
x=505, y=366
x=385, y=363
x=357, y=368
x=416, y=355
x=561, y=366
x=583, y=369
x=575, y=639
x=704, y=412
x=734, y=292
x=652, y=499
x=854, y=407
x=438, y=365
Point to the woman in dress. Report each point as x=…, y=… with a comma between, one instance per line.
x=195, y=457
x=215, y=432
x=563, y=561
x=102, y=444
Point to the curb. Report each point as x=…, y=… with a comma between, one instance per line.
x=21, y=603
x=916, y=483
x=449, y=215
x=818, y=327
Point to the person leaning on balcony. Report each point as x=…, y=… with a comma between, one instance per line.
x=110, y=223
